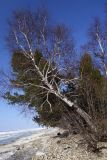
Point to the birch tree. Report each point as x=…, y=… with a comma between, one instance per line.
x=96, y=45
x=29, y=35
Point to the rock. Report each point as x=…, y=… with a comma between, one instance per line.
x=66, y=148
x=64, y=134
x=59, y=141
x=18, y=148
x=58, y=134
x=75, y=132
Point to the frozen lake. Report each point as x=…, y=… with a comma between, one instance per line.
x=12, y=136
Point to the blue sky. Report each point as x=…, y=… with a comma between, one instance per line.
x=77, y=14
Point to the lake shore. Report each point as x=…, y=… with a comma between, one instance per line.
x=47, y=146
x=10, y=148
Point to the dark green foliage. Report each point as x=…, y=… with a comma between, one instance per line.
x=86, y=65
x=32, y=95
x=92, y=88
x=47, y=118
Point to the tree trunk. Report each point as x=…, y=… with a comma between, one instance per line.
x=81, y=112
